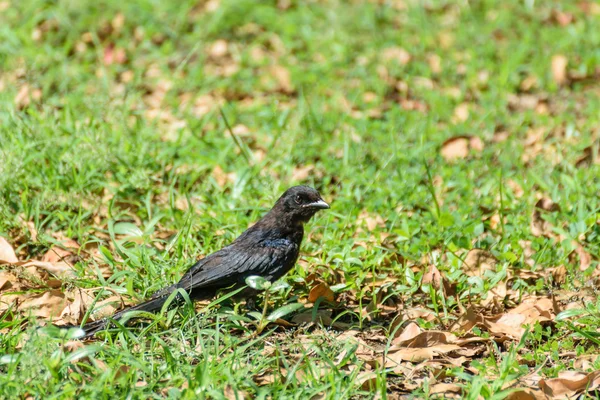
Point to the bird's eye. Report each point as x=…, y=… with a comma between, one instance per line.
x=298, y=199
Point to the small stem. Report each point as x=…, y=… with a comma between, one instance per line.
x=261, y=324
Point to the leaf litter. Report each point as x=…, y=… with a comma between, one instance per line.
x=412, y=354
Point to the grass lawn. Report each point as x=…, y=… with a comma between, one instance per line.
x=457, y=142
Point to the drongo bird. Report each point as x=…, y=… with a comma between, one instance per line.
x=268, y=249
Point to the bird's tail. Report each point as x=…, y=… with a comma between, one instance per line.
x=152, y=305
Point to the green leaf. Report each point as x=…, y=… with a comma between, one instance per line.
x=258, y=282
x=574, y=312
x=62, y=333
x=83, y=352
x=9, y=359
x=280, y=285
x=285, y=310
x=127, y=229
x=256, y=315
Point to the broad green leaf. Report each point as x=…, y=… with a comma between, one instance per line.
x=9, y=359
x=257, y=282
x=285, y=310
x=574, y=312
x=280, y=285
x=127, y=229
x=83, y=352
x=256, y=315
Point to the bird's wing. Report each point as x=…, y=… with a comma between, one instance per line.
x=232, y=264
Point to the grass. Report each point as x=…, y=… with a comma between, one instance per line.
x=91, y=139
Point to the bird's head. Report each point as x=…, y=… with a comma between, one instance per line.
x=300, y=203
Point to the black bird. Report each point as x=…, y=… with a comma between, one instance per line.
x=268, y=249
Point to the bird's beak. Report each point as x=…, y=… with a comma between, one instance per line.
x=321, y=205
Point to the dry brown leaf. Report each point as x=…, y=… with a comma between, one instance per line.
x=478, y=261
x=106, y=307
x=56, y=253
x=114, y=55
x=416, y=346
x=231, y=393
x=411, y=331
x=283, y=78
x=530, y=311
x=218, y=49
x=367, y=380
x=559, y=69
x=591, y=156
x=60, y=269
x=527, y=394
x=7, y=254
x=445, y=388
x=435, y=63
x=581, y=255
x=418, y=354
x=371, y=220
x=397, y=54
x=461, y=113
x=223, y=178
x=74, y=311
x=320, y=290
x=301, y=173
x=539, y=226
x=26, y=95
x=559, y=274
x=46, y=305
x=562, y=18
x=434, y=277
x=570, y=383
x=460, y=147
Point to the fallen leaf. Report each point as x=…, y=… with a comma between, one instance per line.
x=527, y=394
x=512, y=323
x=559, y=274
x=367, y=380
x=321, y=290
x=539, y=226
x=73, y=313
x=434, y=277
x=444, y=388
x=302, y=173
x=569, y=384
x=232, y=393
x=283, y=78
x=411, y=331
x=418, y=354
x=60, y=269
x=478, y=261
x=562, y=18
x=223, y=178
x=461, y=113
x=435, y=63
x=7, y=254
x=591, y=156
x=559, y=69
x=580, y=256
x=397, y=54
x=371, y=220
x=460, y=147
x=218, y=49
x=46, y=305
